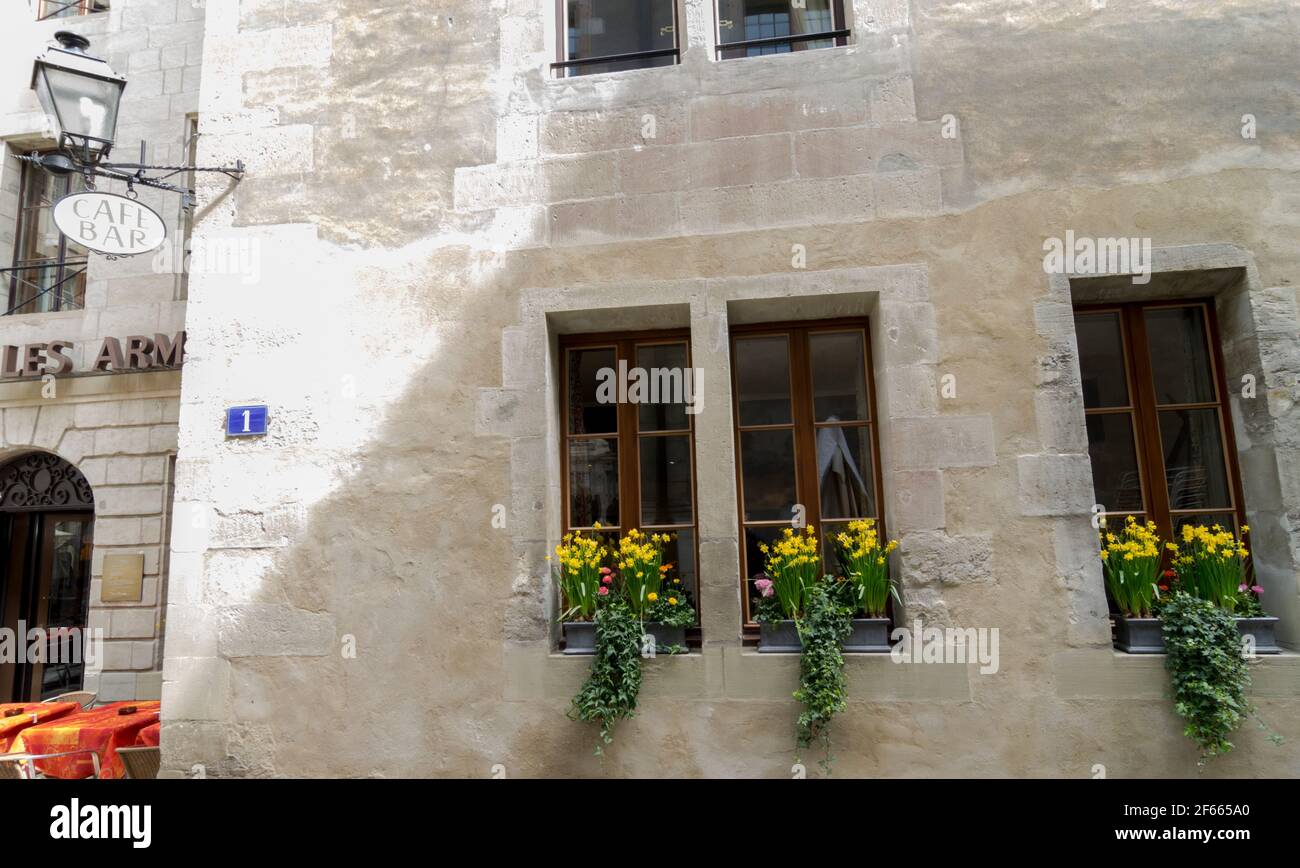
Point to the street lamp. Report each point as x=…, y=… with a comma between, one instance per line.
x=80, y=94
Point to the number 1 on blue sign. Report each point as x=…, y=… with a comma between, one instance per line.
x=249, y=421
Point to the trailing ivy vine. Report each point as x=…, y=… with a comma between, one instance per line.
x=610, y=691
x=1210, y=676
x=823, y=629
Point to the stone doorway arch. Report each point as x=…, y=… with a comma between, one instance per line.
x=47, y=513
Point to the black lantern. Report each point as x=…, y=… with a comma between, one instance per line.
x=80, y=94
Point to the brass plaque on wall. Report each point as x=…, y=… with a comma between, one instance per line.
x=123, y=578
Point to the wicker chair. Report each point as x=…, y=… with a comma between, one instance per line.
x=140, y=762
x=84, y=698
x=11, y=764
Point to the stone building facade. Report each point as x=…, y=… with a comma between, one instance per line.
x=445, y=208
x=117, y=427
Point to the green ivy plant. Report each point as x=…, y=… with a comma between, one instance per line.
x=823, y=629
x=1210, y=676
x=610, y=691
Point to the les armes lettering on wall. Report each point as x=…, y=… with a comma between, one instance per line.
x=134, y=353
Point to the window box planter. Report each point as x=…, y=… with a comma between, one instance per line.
x=579, y=637
x=1139, y=635
x=1144, y=636
x=870, y=635
x=666, y=637
x=778, y=637
x=1262, y=630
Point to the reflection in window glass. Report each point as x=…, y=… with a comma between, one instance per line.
x=593, y=482
x=666, y=366
x=604, y=28
x=839, y=377
x=763, y=380
x=1101, y=359
x=1116, y=482
x=748, y=20
x=844, y=473
x=587, y=413
x=1193, y=459
x=665, y=480
x=1180, y=357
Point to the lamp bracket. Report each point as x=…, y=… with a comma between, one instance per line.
x=78, y=157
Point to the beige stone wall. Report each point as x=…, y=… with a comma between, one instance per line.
x=120, y=430
x=437, y=210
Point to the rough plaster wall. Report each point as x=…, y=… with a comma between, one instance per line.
x=397, y=338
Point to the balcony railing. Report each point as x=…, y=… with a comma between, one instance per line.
x=28, y=292
x=47, y=9
x=838, y=37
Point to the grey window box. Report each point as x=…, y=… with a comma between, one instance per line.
x=1139, y=635
x=1144, y=636
x=579, y=637
x=870, y=635
x=666, y=637
x=1262, y=630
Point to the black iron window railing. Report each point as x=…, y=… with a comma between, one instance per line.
x=615, y=35
x=751, y=28
x=43, y=287
x=47, y=9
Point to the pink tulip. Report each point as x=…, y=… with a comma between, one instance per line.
x=764, y=587
x=603, y=591
x=1258, y=589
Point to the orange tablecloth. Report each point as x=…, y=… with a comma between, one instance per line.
x=101, y=729
x=32, y=714
x=148, y=736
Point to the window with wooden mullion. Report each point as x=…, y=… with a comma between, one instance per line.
x=805, y=432
x=1157, y=365
x=630, y=464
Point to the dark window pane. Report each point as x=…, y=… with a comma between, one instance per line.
x=1180, y=356
x=839, y=377
x=844, y=474
x=1101, y=360
x=668, y=381
x=593, y=482
x=666, y=480
x=600, y=28
x=767, y=473
x=1116, y=484
x=1194, y=460
x=588, y=414
x=763, y=380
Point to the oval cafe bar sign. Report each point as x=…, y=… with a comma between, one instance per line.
x=109, y=223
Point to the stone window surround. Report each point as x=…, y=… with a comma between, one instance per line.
x=905, y=351
x=1258, y=329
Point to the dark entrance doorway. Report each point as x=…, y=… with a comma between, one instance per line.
x=47, y=513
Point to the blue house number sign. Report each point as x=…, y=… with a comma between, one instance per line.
x=247, y=421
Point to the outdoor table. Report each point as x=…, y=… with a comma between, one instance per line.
x=32, y=714
x=148, y=736
x=101, y=729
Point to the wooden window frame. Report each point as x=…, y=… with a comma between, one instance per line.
x=803, y=423
x=1144, y=411
x=63, y=263
x=566, y=67
x=628, y=436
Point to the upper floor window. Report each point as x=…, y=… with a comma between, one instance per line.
x=68, y=8
x=629, y=452
x=805, y=435
x=614, y=35
x=748, y=28
x=49, y=272
x=1159, y=431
